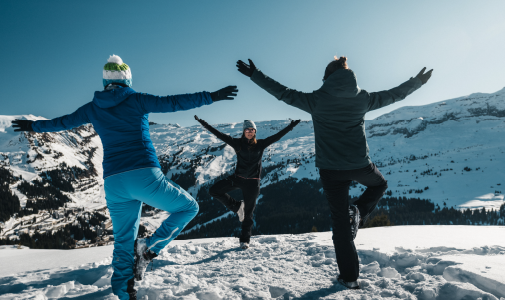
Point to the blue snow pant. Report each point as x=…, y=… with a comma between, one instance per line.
x=125, y=193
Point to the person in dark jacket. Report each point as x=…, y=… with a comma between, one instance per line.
x=247, y=174
x=338, y=111
x=132, y=173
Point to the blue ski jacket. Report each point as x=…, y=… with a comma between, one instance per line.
x=120, y=117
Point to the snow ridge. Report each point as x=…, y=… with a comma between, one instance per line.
x=449, y=152
x=451, y=147
x=446, y=266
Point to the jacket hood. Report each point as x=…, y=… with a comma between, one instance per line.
x=342, y=83
x=111, y=98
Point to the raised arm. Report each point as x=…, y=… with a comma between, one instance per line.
x=223, y=137
x=384, y=98
x=157, y=104
x=303, y=101
x=75, y=119
x=274, y=138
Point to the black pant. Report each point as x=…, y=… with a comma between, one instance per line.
x=250, y=189
x=336, y=188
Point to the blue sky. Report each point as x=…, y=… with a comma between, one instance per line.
x=52, y=52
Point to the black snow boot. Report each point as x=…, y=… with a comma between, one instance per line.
x=131, y=290
x=353, y=285
x=143, y=257
x=354, y=219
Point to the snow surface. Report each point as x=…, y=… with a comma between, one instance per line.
x=401, y=262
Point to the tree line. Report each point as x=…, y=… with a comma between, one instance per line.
x=9, y=202
x=66, y=237
x=291, y=206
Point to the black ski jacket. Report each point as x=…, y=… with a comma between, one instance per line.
x=248, y=156
x=338, y=111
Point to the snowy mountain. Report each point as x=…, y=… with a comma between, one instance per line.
x=400, y=262
x=455, y=146
x=452, y=147
x=56, y=177
x=30, y=154
x=449, y=152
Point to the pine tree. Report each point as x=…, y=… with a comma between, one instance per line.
x=378, y=221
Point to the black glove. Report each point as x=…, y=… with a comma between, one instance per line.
x=226, y=93
x=201, y=121
x=246, y=69
x=295, y=122
x=22, y=125
x=424, y=76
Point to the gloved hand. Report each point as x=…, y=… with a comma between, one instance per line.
x=246, y=69
x=424, y=76
x=201, y=121
x=295, y=122
x=22, y=125
x=226, y=93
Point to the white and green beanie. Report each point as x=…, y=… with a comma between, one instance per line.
x=115, y=70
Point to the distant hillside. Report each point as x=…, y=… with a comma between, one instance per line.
x=449, y=153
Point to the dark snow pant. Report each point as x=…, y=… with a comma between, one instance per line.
x=336, y=188
x=250, y=189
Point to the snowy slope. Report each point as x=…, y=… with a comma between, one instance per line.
x=28, y=155
x=450, y=152
x=452, y=147
x=445, y=138
x=402, y=262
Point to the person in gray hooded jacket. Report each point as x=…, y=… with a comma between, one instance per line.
x=338, y=111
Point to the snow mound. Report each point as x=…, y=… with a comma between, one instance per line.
x=285, y=267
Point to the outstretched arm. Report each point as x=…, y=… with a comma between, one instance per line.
x=223, y=137
x=157, y=104
x=274, y=138
x=75, y=119
x=303, y=101
x=384, y=98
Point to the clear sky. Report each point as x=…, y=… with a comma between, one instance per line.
x=52, y=52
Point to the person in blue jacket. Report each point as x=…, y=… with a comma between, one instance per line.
x=132, y=173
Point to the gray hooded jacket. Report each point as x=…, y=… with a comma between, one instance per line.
x=338, y=111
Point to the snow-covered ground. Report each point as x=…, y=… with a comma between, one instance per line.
x=403, y=262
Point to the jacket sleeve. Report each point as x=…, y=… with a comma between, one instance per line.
x=274, y=138
x=303, y=101
x=158, y=104
x=75, y=119
x=384, y=98
x=223, y=137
